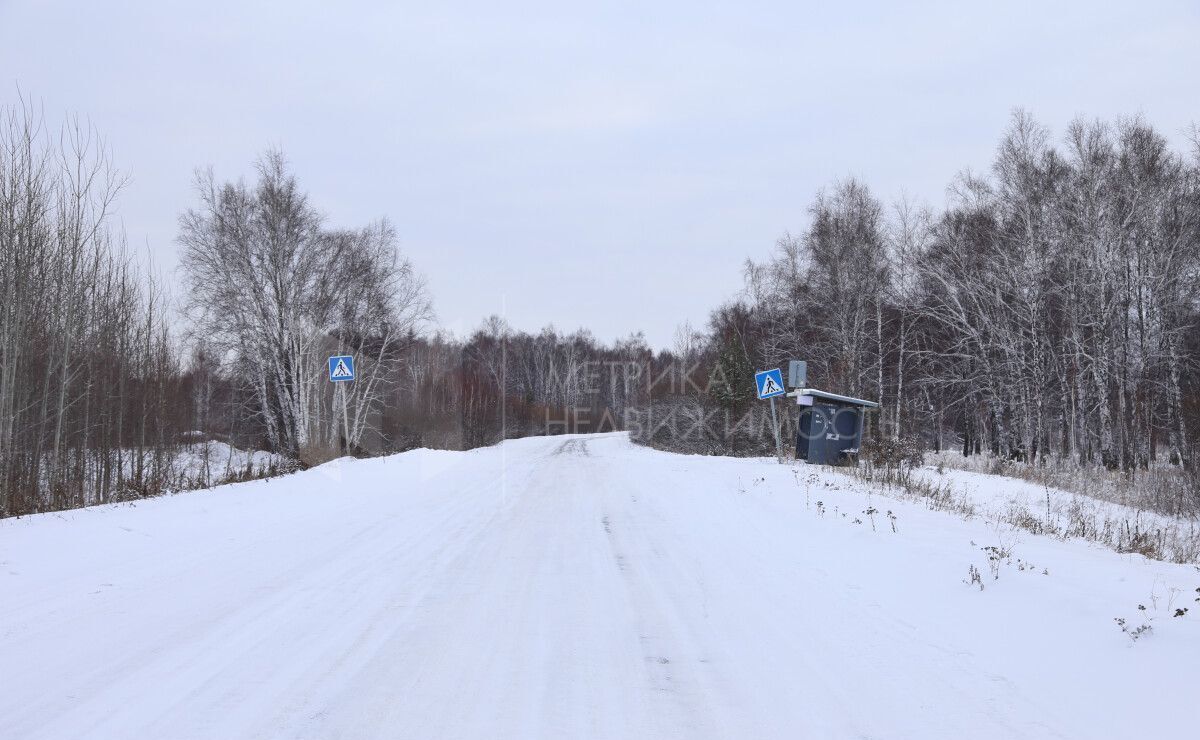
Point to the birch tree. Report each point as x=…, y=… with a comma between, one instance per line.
x=278, y=293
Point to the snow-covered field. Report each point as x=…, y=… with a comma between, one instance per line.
x=577, y=587
x=1121, y=526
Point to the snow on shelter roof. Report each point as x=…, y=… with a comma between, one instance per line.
x=848, y=400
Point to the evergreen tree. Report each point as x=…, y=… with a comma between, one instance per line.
x=732, y=384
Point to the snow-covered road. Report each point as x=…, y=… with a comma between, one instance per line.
x=574, y=587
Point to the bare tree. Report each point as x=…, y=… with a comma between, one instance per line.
x=276, y=292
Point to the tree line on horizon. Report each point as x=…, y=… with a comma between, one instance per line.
x=1048, y=312
x=103, y=389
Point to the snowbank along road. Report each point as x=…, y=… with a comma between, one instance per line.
x=576, y=587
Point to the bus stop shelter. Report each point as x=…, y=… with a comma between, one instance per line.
x=830, y=427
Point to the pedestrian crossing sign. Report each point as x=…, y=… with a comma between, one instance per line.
x=770, y=383
x=341, y=368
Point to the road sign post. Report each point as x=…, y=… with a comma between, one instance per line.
x=770, y=384
x=341, y=371
x=775, y=425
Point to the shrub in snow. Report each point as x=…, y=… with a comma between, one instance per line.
x=974, y=577
x=1134, y=633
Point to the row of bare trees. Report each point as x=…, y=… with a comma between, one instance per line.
x=1051, y=309
x=99, y=399
x=502, y=383
x=88, y=378
x=102, y=396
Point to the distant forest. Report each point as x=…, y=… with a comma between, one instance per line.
x=1048, y=313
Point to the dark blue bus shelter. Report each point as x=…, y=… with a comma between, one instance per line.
x=830, y=427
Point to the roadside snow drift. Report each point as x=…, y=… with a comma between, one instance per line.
x=578, y=587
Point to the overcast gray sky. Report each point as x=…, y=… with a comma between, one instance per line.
x=607, y=165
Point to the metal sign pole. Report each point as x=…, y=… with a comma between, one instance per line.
x=345, y=421
x=775, y=424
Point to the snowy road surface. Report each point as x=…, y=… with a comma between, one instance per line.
x=575, y=588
